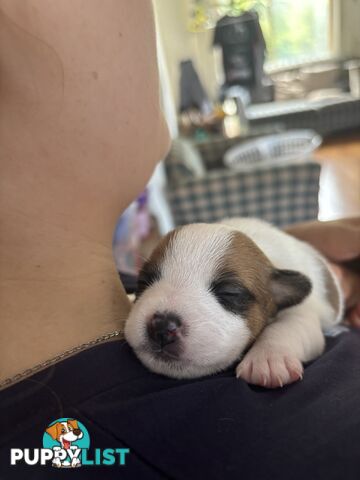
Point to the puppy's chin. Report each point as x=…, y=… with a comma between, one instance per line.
x=180, y=368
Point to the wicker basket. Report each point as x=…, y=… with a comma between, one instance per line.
x=287, y=147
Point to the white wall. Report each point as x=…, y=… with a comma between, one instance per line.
x=180, y=44
x=350, y=27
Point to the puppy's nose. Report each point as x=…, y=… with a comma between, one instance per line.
x=164, y=328
x=77, y=431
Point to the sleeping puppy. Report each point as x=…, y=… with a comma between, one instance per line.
x=237, y=291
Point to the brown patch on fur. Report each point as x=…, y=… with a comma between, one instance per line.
x=55, y=430
x=253, y=269
x=151, y=269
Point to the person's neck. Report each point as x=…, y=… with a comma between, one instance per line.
x=59, y=289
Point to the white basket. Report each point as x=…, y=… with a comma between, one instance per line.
x=291, y=146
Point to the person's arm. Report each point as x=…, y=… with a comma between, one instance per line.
x=339, y=241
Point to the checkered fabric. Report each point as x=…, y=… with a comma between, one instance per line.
x=282, y=195
x=323, y=117
x=343, y=116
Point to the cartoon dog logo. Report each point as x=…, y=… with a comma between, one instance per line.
x=65, y=432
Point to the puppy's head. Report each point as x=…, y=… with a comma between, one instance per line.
x=67, y=431
x=204, y=295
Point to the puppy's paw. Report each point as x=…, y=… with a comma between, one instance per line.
x=75, y=462
x=56, y=462
x=270, y=369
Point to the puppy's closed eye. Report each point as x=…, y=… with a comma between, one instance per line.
x=231, y=294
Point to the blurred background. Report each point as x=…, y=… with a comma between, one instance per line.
x=262, y=99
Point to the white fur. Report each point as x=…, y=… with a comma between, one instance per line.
x=69, y=436
x=217, y=338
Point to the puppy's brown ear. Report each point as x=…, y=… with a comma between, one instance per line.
x=289, y=288
x=73, y=423
x=52, y=430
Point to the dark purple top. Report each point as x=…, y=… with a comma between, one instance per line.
x=216, y=427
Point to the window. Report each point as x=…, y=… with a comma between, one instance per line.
x=295, y=31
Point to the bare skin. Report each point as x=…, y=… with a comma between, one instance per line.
x=80, y=132
x=339, y=241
